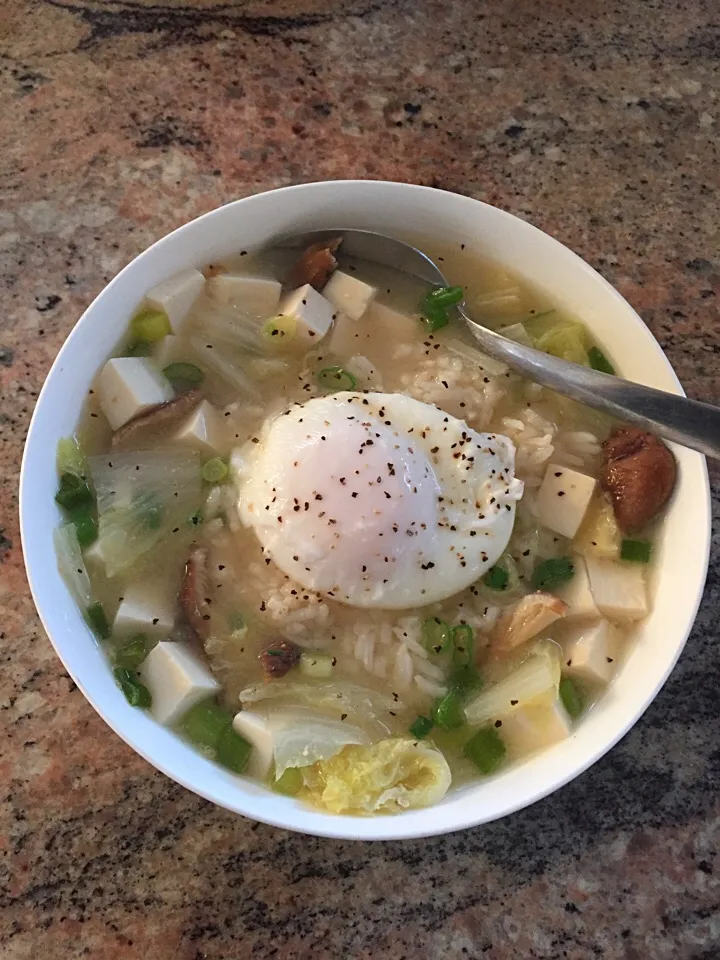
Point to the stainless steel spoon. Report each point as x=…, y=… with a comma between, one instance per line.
x=689, y=422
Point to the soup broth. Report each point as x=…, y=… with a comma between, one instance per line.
x=489, y=673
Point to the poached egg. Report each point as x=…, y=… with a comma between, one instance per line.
x=378, y=500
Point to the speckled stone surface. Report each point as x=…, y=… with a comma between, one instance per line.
x=120, y=120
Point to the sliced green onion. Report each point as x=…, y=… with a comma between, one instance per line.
x=131, y=654
x=435, y=317
x=636, y=551
x=551, y=573
x=435, y=635
x=73, y=490
x=598, y=361
x=444, y=296
x=281, y=328
x=421, y=727
x=233, y=751
x=204, y=723
x=462, y=641
x=70, y=458
x=85, y=522
x=496, y=578
x=465, y=679
x=183, y=373
x=318, y=665
x=448, y=712
x=336, y=378
x=139, y=348
x=136, y=693
x=215, y=470
x=572, y=698
x=290, y=783
x=486, y=750
x=150, y=325
x=95, y=616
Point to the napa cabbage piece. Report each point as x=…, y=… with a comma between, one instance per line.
x=222, y=362
x=385, y=777
x=301, y=737
x=142, y=497
x=70, y=458
x=71, y=564
x=536, y=682
x=369, y=709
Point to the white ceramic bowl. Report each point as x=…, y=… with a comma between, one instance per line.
x=386, y=208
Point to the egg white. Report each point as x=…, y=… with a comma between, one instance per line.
x=378, y=500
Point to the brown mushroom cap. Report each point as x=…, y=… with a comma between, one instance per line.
x=639, y=474
x=316, y=265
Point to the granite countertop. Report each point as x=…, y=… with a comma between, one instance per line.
x=120, y=120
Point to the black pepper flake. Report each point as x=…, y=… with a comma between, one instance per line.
x=561, y=493
x=498, y=723
x=513, y=703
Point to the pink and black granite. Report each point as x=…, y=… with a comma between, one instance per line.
x=119, y=120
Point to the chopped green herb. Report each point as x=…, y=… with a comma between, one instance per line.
x=444, y=296
x=336, y=378
x=636, y=551
x=572, y=698
x=421, y=727
x=435, y=635
x=181, y=374
x=486, y=750
x=215, y=470
x=462, y=641
x=435, y=317
x=448, y=712
x=280, y=328
x=85, y=522
x=95, y=616
x=204, y=723
x=72, y=491
x=496, y=578
x=233, y=751
x=551, y=573
x=290, y=783
x=318, y=665
x=150, y=325
x=131, y=654
x=136, y=693
x=465, y=679
x=598, y=361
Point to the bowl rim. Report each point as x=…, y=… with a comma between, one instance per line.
x=391, y=827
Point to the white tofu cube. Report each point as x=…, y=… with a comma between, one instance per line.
x=177, y=296
x=589, y=653
x=145, y=609
x=254, y=297
x=618, y=588
x=254, y=727
x=577, y=593
x=348, y=294
x=563, y=498
x=177, y=679
x=534, y=728
x=129, y=385
x=313, y=313
x=204, y=431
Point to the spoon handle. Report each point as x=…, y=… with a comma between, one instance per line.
x=689, y=422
